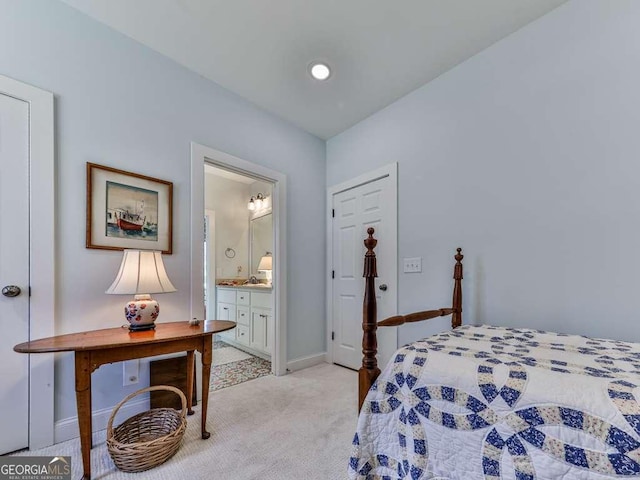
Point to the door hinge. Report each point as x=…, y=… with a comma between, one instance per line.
x=333, y=213
x=333, y=335
x=29, y=290
x=333, y=274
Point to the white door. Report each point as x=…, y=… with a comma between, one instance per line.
x=355, y=210
x=14, y=271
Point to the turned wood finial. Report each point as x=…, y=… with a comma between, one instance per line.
x=370, y=268
x=457, y=272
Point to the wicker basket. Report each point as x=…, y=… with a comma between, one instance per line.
x=148, y=438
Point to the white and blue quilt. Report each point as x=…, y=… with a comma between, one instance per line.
x=491, y=403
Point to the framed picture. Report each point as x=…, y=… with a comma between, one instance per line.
x=128, y=210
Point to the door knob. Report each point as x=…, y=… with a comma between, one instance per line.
x=383, y=287
x=11, y=291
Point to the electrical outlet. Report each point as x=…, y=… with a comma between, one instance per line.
x=130, y=372
x=412, y=265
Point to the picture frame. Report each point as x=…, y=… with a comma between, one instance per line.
x=128, y=210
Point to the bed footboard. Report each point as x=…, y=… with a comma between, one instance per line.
x=369, y=371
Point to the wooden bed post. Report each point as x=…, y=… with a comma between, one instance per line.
x=456, y=317
x=369, y=370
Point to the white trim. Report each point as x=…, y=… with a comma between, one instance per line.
x=306, y=362
x=390, y=171
x=201, y=154
x=67, y=429
x=41, y=253
x=211, y=264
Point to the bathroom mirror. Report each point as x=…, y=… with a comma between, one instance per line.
x=261, y=239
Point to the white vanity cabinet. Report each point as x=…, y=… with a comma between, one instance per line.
x=251, y=310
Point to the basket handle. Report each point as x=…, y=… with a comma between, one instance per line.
x=175, y=390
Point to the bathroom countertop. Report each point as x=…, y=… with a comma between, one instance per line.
x=248, y=286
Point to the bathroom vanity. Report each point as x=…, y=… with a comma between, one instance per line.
x=250, y=307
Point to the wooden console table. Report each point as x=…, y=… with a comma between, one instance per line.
x=98, y=347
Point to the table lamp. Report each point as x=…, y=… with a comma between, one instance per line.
x=141, y=273
x=266, y=266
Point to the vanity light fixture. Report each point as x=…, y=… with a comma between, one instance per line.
x=256, y=203
x=259, y=201
x=319, y=70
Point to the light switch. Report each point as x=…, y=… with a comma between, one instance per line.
x=412, y=265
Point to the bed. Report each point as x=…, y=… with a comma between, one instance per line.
x=487, y=402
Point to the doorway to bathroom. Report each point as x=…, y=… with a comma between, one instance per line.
x=238, y=264
x=238, y=261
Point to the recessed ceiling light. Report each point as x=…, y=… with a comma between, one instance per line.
x=320, y=71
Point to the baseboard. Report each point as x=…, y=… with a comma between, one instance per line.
x=306, y=362
x=68, y=428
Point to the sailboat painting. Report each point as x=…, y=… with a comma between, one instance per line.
x=131, y=212
x=127, y=210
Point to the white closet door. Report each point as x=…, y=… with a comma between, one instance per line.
x=14, y=271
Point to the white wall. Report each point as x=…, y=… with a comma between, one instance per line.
x=229, y=199
x=122, y=105
x=527, y=156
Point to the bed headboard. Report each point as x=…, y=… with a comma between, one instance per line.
x=369, y=370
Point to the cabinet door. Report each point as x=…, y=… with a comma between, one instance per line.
x=226, y=311
x=261, y=300
x=257, y=334
x=226, y=295
x=243, y=298
x=242, y=315
x=268, y=333
x=242, y=334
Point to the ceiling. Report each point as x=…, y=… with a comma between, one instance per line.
x=379, y=50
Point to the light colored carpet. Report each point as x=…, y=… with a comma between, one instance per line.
x=296, y=427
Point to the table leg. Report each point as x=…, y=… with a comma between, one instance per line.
x=83, y=401
x=206, y=373
x=190, y=371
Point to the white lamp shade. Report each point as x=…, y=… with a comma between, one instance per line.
x=266, y=263
x=141, y=271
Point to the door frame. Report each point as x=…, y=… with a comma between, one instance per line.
x=211, y=264
x=41, y=253
x=391, y=171
x=201, y=154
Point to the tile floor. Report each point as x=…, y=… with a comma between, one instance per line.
x=232, y=366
